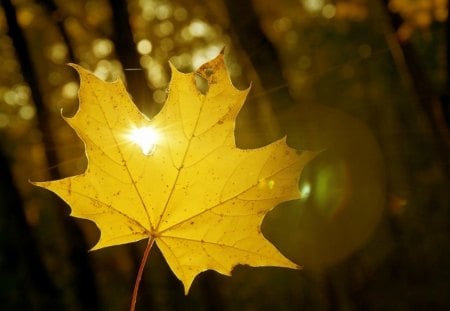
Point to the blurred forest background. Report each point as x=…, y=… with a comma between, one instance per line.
x=367, y=81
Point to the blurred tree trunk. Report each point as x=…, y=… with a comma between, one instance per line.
x=245, y=26
x=56, y=15
x=445, y=99
x=26, y=284
x=129, y=57
x=406, y=60
x=83, y=280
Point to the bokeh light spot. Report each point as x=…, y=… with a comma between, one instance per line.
x=70, y=90
x=144, y=47
x=102, y=47
x=199, y=28
x=27, y=112
x=25, y=17
x=164, y=29
x=159, y=96
x=313, y=6
x=329, y=11
x=180, y=14
x=57, y=53
x=163, y=11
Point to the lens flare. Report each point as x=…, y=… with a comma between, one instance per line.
x=305, y=191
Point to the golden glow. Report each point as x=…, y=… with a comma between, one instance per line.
x=145, y=137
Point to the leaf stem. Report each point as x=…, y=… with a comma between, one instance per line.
x=151, y=240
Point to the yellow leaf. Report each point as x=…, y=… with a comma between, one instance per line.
x=179, y=178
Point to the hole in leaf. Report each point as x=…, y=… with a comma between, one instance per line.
x=201, y=84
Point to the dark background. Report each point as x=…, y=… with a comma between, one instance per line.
x=367, y=82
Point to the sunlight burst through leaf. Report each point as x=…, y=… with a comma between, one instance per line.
x=145, y=137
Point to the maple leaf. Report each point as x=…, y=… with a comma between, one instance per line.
x=179, y=179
